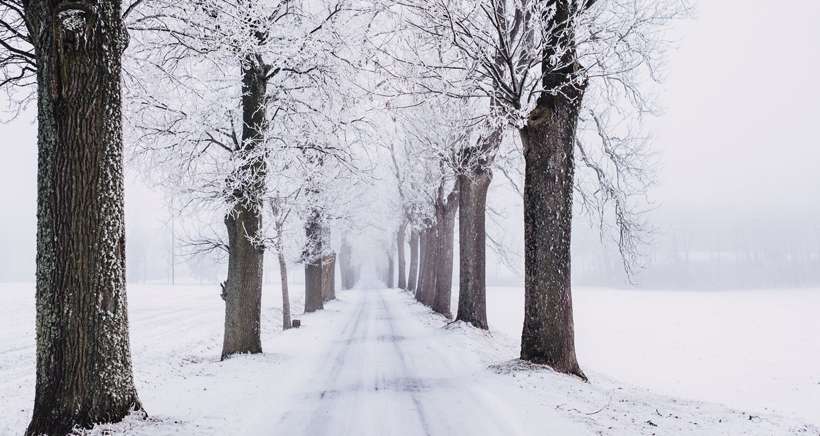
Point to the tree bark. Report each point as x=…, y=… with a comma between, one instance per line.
x=242, y=290
x=402, y=281
x=313, y=286
x=446, y=218
x=313, y=264
x=472, y=243
x=283, y=275
x=548, y=335
x=414, y=260
x=328, y=277
x=84, y=373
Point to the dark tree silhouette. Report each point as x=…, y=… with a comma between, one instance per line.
x=84, y=371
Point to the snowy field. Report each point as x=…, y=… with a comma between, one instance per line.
x=377, y=363
x=751, y=350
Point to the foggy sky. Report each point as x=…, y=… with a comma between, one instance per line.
x=737, y=139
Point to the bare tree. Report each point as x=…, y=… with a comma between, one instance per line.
x=322, y=207
x=446, y=208
x=277, y=58
x=281, y=207
x=404, y=204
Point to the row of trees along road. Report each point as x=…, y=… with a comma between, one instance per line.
x=272, y=116
x=566, y=75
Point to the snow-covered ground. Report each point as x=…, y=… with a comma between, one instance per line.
x=753, y=350
x=377, y=363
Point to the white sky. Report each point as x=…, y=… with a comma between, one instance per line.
x=738, y=137
x=742, y=107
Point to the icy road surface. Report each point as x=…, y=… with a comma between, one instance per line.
x=373, y=363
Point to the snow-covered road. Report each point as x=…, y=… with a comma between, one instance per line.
x=385, y=372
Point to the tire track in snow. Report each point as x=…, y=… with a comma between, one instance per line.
x=419, y=409
x=439, y=405
x=387, y=373
x=337, y=355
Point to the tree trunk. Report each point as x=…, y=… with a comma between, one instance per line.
x=402, y=281
x=328, y=266
x=313, y=286
x=431, y=258
x=313, y=264
x=548, y=335
x=283, y=275
x=446, y=218
x=328, y=277
x=84, y=371
x=414, y=260
x=423, y=252
x=242, y=290
x=472, y=243
x=332, y=283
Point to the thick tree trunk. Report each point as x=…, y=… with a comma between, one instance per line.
x=548, y=335
x=84, y=371
x=446, y=218
x=472, y=241
x=414, y=260
x=283, y=276
x=242, y=290
x=313, y=286
x=313, y=265
x=328, y=277
x=402, y=281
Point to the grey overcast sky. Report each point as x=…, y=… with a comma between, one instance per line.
x=737, y=137
x=742, y=107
